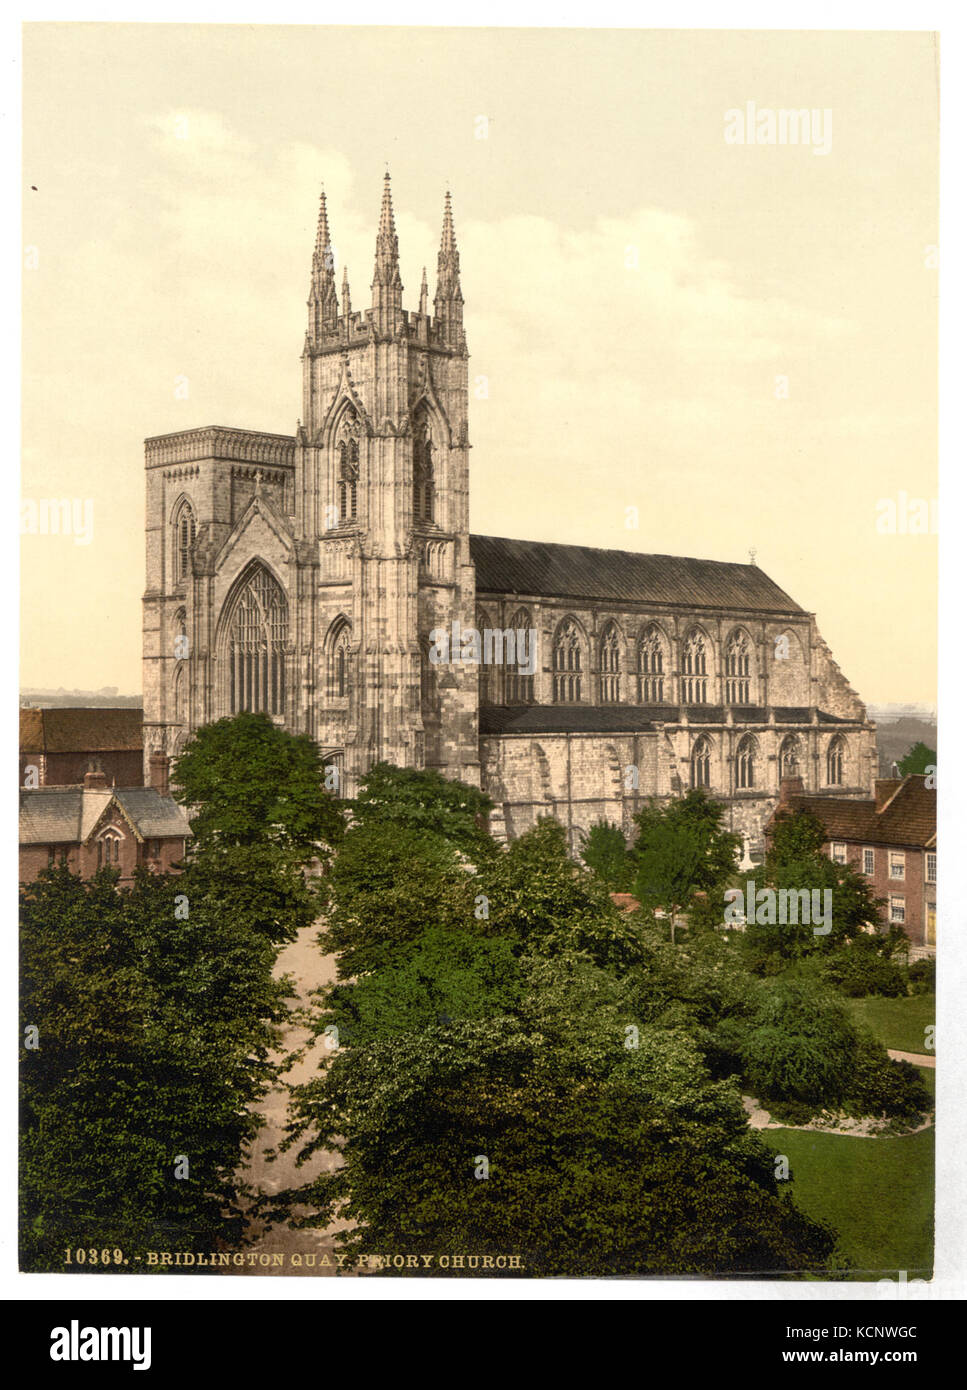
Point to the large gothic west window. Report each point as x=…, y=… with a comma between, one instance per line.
x=184, y=540
x=256, y=646
x=651, y=667
x=738, y=669
x=694, y=670
x=567, y=663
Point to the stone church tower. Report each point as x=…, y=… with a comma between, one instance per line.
x=303, y=576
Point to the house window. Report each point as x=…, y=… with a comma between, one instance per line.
x=694, y=670
x=898, y=910
x=51, y=856
x=931, y=868
x=108, y=849
x=567, y=664
x=837, y=852
x=897, y=864
x=610, y=667
x=651, y=668
x=869, y=862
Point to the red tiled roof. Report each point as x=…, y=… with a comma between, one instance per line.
x=907, y=818
x=72, y=729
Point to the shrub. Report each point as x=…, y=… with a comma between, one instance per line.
x=881, y=1086
x=923, y=976
x=859, y=969
x=801, y=1045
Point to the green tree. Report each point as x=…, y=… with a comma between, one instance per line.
x=542, y=1133
x=425, y=802
x=248, y=782
x=681, y=848
x=919, y=759
x=605, y=852
x=796, y=863
x=155, y=1021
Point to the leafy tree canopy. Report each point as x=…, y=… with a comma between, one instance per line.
x=426, y=802
x=919, y=759
x=246, y=781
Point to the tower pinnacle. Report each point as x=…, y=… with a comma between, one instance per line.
x=448, y=301
x=323, y=305
x=387, y=286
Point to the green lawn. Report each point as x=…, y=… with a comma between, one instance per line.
x=899, y=1023
x=876, y=1193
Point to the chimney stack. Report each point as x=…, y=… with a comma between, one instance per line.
x=790, y=787
x=94, y=777
x=158, y=764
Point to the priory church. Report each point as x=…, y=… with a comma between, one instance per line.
x=304, y=576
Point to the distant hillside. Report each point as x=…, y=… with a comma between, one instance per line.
x=895, y=737
x=52, y=699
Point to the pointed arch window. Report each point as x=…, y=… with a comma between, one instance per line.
x=567, y=663
x=835, y=758
x=695, y=670
x=745, y=763
x=340, y=657
x=790, y=756
x=519, y=687
x=348, y=478
x=701, y=762
x=651, y=667
x=423, y=483
x=610, y=666
x=184, y=540
x=738, y=669
x=108, y=849
x=257, y=637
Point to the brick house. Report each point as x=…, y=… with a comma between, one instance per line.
x=61, y=743
x=891, y=840
x=95, y=826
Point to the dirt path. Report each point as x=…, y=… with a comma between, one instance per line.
x=919, y=1059
x=309, y=968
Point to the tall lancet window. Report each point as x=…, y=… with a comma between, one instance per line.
x=738, y=669
x=701, y=762
x=256, y=646
x=745, y=762
x=694, y=670
x=567, y=663
x=339, y=660
x=184, y=539
x=651, y=667
x=610, y=666
x=834, y=761
x=348, y=478
x=423, y=499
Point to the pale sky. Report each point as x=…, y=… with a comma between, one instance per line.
x=635, y=285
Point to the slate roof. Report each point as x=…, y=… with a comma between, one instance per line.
x=68, y=815
x=906, y=819
x=582, y=571
x=613, y=719
x=72, y=729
